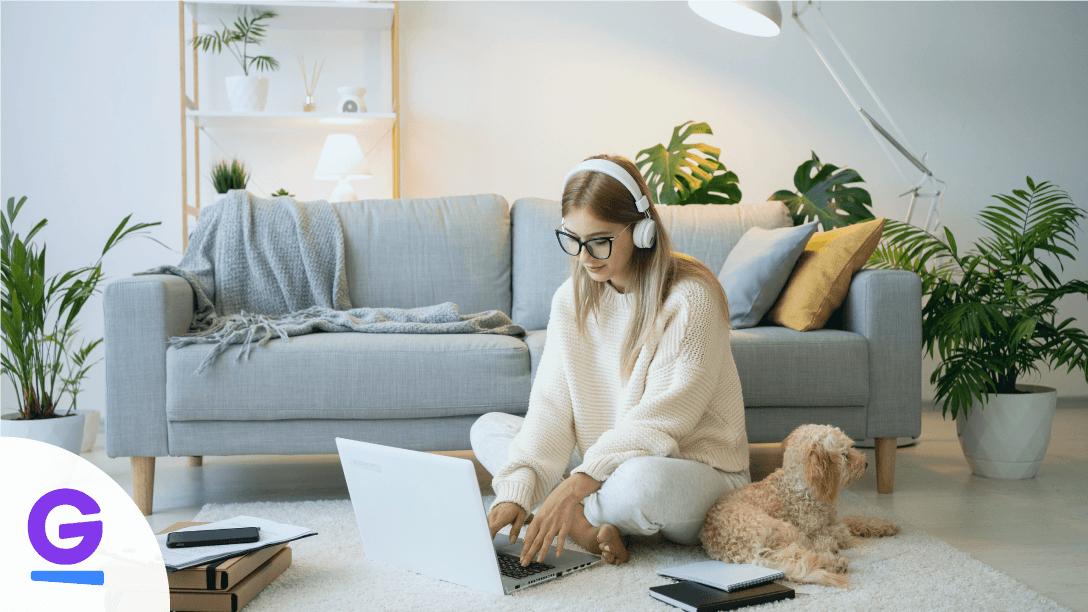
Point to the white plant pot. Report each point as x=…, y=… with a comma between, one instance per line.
x=220, y=196
x=1008, y=437
x=64, y=431
x=247, y=93
x=92, y=419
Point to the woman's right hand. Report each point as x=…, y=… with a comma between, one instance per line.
x=504, y=514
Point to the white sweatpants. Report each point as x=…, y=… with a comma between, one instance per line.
x=643, y=496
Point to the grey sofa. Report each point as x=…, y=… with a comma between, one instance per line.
x=861, y=373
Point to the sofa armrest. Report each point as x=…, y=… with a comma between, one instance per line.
x=141, y=314
x=885, y=306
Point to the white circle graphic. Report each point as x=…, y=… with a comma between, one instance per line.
x=72, y=538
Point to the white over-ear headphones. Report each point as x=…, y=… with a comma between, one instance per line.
x=645, y=231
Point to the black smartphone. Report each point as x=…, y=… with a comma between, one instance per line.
x=212, y=537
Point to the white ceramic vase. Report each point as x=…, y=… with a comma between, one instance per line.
x=64, y=431
x=247, y=93
x=1008, y=437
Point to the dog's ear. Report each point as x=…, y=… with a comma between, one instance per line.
x=822, y=472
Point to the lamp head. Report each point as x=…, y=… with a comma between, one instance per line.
x=758, y=18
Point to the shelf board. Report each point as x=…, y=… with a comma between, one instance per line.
x=230, y=120
x=301, y=15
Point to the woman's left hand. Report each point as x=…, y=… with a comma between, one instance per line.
x=555, y=517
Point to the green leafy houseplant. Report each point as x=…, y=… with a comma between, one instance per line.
x=991, y=311
x=676, y=175
x=39, y=317
x=248, y=31
x=283, y=192
x=229, y=176
x=825, y=197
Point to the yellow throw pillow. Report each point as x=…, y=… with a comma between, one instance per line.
x=822, y=275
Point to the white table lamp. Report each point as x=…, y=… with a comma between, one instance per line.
x=342, y=160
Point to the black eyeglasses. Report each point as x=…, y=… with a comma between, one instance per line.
x=598, y=248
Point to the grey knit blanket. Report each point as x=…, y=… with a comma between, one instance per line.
x=265, y=267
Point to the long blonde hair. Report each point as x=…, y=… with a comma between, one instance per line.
x=654, y=271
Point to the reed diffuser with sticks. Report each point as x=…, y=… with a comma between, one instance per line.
x=311, y=84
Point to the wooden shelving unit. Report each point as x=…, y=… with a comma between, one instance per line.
x=306, y=15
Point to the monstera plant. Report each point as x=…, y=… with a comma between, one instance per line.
x=825, y=196
x=677, y=175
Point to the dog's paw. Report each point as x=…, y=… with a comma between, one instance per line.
x=870, y=527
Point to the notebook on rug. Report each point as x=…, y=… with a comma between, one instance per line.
x=722, y=575
x=695, y=597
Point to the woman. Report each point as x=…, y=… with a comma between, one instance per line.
x=636, y=420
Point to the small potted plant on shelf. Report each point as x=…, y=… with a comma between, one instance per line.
x=248, y=92
x=40, y=357
x=228, y=176
x=991, y=314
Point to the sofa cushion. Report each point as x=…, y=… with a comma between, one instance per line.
x=535, y=341
x=352, y=376
x=706, y=232
x=417, y=252
x=757, y=268
x=782, y=367
x=821, y=278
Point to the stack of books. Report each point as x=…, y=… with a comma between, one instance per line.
x=225, y=584
x=714, y=586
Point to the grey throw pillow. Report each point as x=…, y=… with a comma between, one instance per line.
x=757, y=269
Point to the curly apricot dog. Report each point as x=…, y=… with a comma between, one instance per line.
x=788, y=520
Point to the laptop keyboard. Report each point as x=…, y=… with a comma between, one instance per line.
x=509, y=565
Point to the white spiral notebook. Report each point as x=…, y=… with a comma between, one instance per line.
x=721, y=575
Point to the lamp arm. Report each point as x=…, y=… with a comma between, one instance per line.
x=937, y=206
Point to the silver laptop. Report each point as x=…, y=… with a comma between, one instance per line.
x=422, y=512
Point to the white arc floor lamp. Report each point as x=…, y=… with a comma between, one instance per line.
x=342, y=160
x=764, y=18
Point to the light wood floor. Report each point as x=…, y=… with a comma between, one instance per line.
x=1035, y=530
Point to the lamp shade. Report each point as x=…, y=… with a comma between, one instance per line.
x=342, y=158
x=758, y=18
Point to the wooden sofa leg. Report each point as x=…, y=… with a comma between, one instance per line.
x=143, y=482
x=885, y=464
x=196, y=461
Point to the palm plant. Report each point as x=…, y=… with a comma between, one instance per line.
x=676, y=175
x=40, y=358
x=991, y=311
x=248, y=31
x=229, y=176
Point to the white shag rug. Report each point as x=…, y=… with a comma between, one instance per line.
x=909, y=571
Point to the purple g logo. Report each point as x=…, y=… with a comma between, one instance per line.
x=89, y=532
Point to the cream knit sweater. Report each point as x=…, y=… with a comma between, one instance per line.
x=683, y=398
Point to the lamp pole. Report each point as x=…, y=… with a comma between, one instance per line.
x=936, y=192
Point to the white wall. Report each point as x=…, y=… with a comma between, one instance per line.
x=505, y=97
x=90, y=134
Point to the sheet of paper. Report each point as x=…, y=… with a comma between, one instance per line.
x=271, y=533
